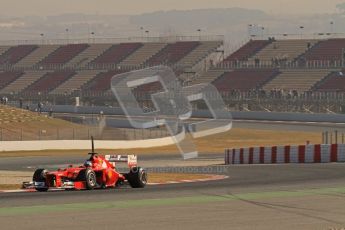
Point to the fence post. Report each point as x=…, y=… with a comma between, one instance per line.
x=336, y=136
x=21, y=134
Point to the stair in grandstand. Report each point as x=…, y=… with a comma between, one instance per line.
x=23, y=81
x=88, y=55
x=37, y=55
x=297, y=79
x=16, y=53
x=140, y=56
x=75, y=82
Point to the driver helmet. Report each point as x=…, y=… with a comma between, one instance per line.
x=88, y=163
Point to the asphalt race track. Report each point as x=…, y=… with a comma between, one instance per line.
x=293, y=196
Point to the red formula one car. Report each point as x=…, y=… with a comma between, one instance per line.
x=97, y=172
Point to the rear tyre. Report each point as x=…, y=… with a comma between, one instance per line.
x=39, y=176
x=89, y=176
x=137, y=177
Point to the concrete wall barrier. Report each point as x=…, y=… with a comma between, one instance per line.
x=86, y=144
x=286, y=154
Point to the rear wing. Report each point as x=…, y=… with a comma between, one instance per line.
x=131, y=160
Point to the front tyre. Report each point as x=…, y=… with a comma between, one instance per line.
x=40, y=177
x=137, y=177
x=89, y=176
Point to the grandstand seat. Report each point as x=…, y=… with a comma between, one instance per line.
x=63, y=54
x=244, y=79
x=288, y=49
x=297, y=79
x=76, y=82
x=37, y=55
x=50, y=81
x=208, y=76
x=8, y=77
x=248, y=50
x=172, y=53
x=333, y=82
x=141, y=55
x=16, y=53
x=199, y=53
x=116, y=53
x=23, y=81
x=88, y=55
x=330, y=49
x=101, y=82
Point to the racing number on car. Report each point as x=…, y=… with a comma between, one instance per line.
x=172, y=106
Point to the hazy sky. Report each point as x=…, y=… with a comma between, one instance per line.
x=52, y=7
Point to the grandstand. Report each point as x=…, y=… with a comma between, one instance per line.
x=301, y=65
x=86, y=69
x=62, y=69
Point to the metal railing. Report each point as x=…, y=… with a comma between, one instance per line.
x=111, y=40
x=81, y=134
x=333, y=137
x=281, y=64
x=91, y=66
